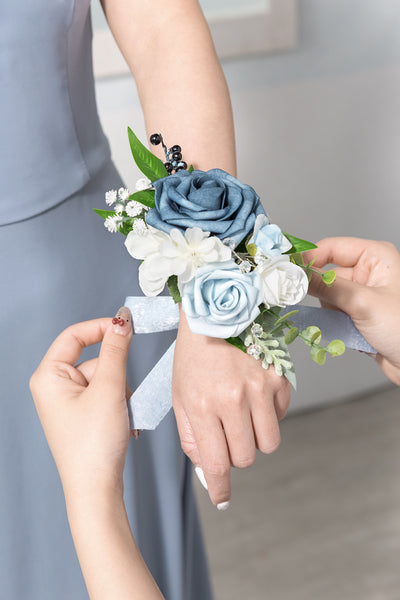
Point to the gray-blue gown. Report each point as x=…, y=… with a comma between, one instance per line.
x=59, y=265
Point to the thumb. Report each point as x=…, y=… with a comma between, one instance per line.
x=349, y=296
x=110, y=374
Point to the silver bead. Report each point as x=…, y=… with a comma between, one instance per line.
x=257, y=330
x=230, y=242
x=254, y=350
x=245, y=266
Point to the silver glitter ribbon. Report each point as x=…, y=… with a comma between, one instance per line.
x=152, y=400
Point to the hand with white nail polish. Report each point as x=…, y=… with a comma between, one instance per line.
x=84, y=415
x=226, y=406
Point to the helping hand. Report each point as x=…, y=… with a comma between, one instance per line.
x=83, y=408
x=367, y=288
x=226, y=405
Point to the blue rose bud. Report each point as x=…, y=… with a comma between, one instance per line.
x=220, y=301
x=269, y=238
x=212, y=200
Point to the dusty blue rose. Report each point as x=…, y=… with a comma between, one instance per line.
x=212, y=200
x=269, y=238
x=220, y=301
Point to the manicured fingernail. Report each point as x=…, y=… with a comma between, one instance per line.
x=223, y=505
x=200, y=475
x=122, y=322
x=135, y=433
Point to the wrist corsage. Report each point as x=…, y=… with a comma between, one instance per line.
x=207, y=237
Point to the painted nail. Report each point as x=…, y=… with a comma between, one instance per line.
x=135, y=433
x=223, y=505
x=122, y=322
x=200, y=475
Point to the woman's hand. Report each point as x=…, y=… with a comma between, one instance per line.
x=367, y=288
x=84, y=415
x=83, y=408
x=226, y=405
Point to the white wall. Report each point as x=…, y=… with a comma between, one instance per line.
x=318, y=137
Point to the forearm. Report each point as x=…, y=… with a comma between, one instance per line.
x=180, y=82
x=110, y=560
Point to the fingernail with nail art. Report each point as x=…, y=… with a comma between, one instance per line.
x=122, y=322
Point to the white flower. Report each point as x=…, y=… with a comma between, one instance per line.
x=123, y=194
x=119, y=208
x=133, y=208
x=139, y=227
x=145, y=244
x=112, y=223
x=111, y=197
x=284, y=283
x=143, y=184
x=192, y=250
x=164, y=255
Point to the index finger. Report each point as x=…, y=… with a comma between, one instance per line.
x=342, y=251
x=67, y=347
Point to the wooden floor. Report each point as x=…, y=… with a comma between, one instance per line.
x=319, y=519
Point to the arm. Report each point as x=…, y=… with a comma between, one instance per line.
x=87, y=429
x=225, y=404
x=367, y=287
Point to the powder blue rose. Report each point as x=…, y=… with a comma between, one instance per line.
x=268, y=238
x=213, y=200
x=220, y=301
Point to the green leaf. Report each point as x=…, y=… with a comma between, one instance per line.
x=191, y=169
x=318, y=355
x=291, y=335
x=145, y=197
x=297, y=259
x=237, y=342
x=288, y=314
x=328, y=277
x=312, y=334
x=310, y=264
x=336, y=348
x=251, y=249
x=172, y=284
x=150, y=165
x=126, y=227
x=298, y=245
x=104, y=213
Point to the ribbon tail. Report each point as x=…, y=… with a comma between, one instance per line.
x=152, y=400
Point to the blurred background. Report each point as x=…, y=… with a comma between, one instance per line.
x=315, y=86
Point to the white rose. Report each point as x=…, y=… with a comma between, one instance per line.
x=284, y=283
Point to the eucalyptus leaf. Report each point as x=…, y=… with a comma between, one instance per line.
x=148, y=163
x=145, y=197
x=312, y=334
x=318, y=355
x=298, y=245
x=291, y=335
x=329, y=277
x=172, y=284
x=336, y=348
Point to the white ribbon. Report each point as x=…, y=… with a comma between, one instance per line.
x=152, y=400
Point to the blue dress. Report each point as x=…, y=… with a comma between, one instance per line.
x=58, y=265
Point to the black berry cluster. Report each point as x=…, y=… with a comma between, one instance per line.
x=173, y=156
